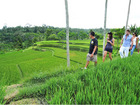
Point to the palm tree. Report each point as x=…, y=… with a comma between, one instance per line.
x=128, y=15
x=67, y=33
x=105, y=18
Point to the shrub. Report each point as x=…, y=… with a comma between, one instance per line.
x=53, y=37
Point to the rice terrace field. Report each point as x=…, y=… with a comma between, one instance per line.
x=46, y=56
x=40, y=74
x=69, y=52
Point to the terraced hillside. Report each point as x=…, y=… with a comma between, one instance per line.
x=108, y=83
x=45, y=57
x=41, y=73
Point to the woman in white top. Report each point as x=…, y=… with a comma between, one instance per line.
x=138, y=43
x=134, y=42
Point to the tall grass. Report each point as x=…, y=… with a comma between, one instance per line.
x=116, y=82
x=2, y=90
x=28, y=63
x=112, y=83
x=1, y=94
x=45, y=75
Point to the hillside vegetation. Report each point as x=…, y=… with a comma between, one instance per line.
x=108, y=83
x=16, y=38
x=46, y=57
x=41, y=69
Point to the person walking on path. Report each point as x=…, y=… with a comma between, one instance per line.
x=138, y=43
x=125, y=44
x=134, y=39
x=93, y=49
x=109, y=46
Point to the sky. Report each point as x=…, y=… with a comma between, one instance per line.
x=82, y=13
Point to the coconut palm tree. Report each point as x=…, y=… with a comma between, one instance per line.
x=67, y=33
x=128, y=15
x=105, y=18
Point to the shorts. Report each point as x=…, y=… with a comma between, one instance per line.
x=109, y=50
x=93, y=59
x=138, y=47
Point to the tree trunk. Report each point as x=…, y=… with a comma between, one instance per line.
x=67, y=33
x=105, y=18
x=128, y=15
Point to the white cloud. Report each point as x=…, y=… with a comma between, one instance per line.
x=83, y=13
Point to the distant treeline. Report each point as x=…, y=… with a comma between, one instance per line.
x=23, y=37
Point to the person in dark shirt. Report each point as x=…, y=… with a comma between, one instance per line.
x=93, y=49
x=109, y=46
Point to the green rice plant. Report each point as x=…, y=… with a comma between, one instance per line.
x=45, y=75
x=2, y=89
x=108, y=83
x=1, y=94
x=26, y=64
x=12, y=74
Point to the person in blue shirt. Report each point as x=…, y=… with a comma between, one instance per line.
x=127, y=40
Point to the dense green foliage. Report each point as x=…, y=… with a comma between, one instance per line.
x=12, y=38
x=1, y=94
x=23, y=37
x=2, y=91
x=118, y=32
x=42, y=67
x=46, y=57
x=108, y=83
x=42, y=71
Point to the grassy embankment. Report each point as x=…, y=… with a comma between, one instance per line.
x=44, y=68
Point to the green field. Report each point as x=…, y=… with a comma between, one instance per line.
x=42, y=71
x=45, y=57
x=109, y=83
